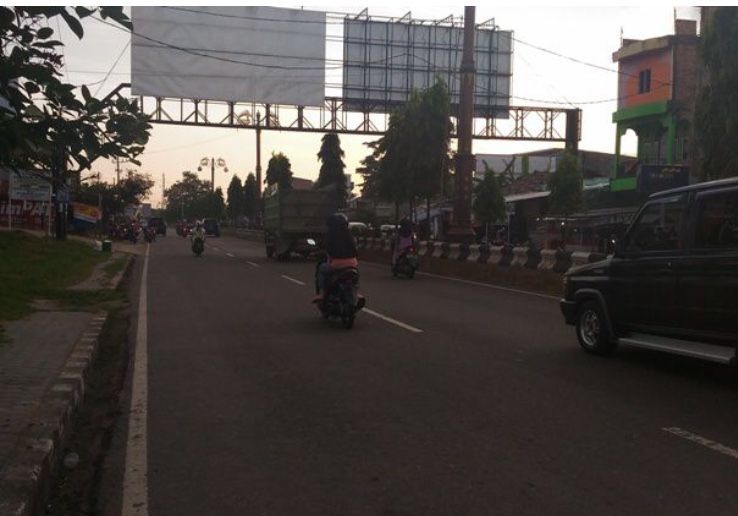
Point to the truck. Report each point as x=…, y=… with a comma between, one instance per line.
x=295, y=220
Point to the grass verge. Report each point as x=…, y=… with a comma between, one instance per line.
x=40, y=268
x=114, y=267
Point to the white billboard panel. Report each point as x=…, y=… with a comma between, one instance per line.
x=261, y=54
x=384, y=61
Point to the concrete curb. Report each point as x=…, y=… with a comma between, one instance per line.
x=25, y=481
x=118, y=278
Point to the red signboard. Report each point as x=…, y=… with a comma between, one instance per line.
x=25, y=214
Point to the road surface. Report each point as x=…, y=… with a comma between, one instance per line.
x=448, y=398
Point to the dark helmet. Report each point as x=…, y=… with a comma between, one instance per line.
x=337, y=221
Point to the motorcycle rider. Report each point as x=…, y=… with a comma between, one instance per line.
x=340, y=250
x=404, y=239
x=198, y=232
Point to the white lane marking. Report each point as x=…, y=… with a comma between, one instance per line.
x=488, y=285
x=708, y=443
x=253, y=264
x=135, y=477
x=293, y=280
x=231, y=255
x=216, y=248
x=392, y=321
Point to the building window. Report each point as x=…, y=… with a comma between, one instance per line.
x=644, y=81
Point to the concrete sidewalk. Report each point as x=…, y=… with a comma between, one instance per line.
x=43, y=373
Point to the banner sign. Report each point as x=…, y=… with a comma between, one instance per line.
x=29, y=187
x=86, y=212
x=26, y=214
x=654, y=178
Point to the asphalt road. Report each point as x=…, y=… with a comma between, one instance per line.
x=449, y=399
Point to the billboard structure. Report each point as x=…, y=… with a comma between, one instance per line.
x=385, y=60
x=229, y=54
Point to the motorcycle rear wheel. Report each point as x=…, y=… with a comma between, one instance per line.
x=347, y=318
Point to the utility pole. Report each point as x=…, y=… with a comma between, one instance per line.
x=117, y=170
x=461, y=230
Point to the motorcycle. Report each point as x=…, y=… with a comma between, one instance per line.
x=406, y=264
x=342, y=300
x=149, y=235
x=198, y=245
x=132, y=234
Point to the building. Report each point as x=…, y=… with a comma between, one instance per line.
x=657, y=87
x=592, y=163
x=300, y=183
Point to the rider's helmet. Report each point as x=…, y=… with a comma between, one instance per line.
x=337, y=221
x=198, y=224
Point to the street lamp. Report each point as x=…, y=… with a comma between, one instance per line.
x=220, y=163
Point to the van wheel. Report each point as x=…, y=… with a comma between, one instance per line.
x=592, y=331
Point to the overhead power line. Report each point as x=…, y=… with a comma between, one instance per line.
x=115, y=63
x=584, y=63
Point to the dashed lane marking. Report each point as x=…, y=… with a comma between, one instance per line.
x=704, y=441
x=231, y=255
x=390, y=320
x=293, y=280
x=253, y=264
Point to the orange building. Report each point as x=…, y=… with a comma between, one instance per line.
x=657, y=86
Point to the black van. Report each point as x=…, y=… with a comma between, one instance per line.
x=672, y=284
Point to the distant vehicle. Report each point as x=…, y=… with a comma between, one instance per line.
x=387, y=229
x=295, y=220
x=671, y=284
x=212, y=227
x=159, y=225
x=358, y=228
x=407, y=263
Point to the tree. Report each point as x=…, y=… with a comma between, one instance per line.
x=250, y=197
x=489, y=204
x=716, y=116
x=134, y=188
x=385, y=170
x=113, y=199
x=235, y=199
x=279, y=171
x=332, y=167
x=216, y=204
x=565, y=185
x=431, y=142
x=411, y=160
x=188, y=198
x=44, y=124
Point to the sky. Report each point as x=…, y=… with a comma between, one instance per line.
x=586, y=33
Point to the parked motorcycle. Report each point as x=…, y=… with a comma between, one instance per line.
x=342, y=300
x=407, y=263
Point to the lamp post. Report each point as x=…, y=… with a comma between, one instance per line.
x=220, y=163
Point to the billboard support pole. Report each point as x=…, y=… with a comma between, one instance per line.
x=462, y=230
x=10, y=200
x=258, y=154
